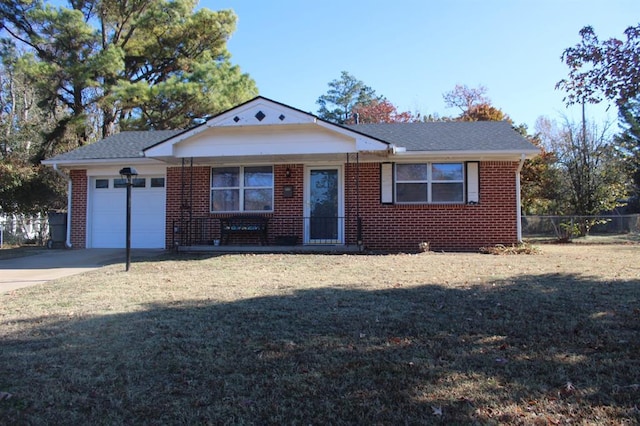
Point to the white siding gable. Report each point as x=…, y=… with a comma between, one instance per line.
x=275, y=140
x=260, y=112
x=262, y=127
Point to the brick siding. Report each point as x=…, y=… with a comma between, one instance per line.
x=452, y=227
x=386, y=227
x=79, y=208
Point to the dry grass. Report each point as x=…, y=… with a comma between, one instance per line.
x=552, y=338
x=523, y=248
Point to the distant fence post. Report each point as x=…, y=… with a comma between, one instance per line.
x=551, y=226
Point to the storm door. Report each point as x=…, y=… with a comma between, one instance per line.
x=324, y=221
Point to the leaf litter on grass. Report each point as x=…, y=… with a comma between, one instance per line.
x=269, y=339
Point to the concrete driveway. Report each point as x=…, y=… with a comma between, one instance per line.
x=53, y=264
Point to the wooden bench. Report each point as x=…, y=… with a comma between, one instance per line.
x=256, y=225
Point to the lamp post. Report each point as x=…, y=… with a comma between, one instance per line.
x=128, y=173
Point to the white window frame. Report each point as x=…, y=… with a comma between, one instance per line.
x=429, y=181
x=241, y=189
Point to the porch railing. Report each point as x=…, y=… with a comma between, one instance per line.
x=281, y=230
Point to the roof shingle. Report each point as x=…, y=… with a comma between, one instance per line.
x=122, y=145
x=448, y=136
x=494, y=136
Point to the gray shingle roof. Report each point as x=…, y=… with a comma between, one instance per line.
x=434, y=136
x=448, y=136
x=121, y=145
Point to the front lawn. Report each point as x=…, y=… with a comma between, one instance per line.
x=552, y=338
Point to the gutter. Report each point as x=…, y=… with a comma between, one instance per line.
x=518, y=198
x=69, y=198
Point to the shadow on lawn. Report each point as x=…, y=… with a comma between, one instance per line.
x=558, y=345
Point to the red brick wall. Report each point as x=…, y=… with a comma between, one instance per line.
x=390, y=227
x=179, y=205
x=79, y=208
x=450, y=227
x=286, y=208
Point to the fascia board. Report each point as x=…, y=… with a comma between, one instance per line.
x=508, y=154
x=96, y=162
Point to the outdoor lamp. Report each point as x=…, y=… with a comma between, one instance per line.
x=128, y=173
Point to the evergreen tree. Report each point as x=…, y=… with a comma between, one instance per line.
x=629, y=149
x=90, y=69
x=344, y=94
x=101, y=64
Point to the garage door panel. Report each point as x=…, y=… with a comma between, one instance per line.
x=107, y=217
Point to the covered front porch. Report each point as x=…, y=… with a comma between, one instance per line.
x=268, y=233
x=265, y=175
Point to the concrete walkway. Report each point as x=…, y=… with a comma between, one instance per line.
x=53, y=264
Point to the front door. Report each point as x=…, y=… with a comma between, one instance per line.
x=324, y=206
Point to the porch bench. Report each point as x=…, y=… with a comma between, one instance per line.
x=256, y=225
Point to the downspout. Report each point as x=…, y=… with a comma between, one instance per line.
x=518, y=200
x=69, y=198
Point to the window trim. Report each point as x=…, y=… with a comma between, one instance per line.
x=429, y=181
x=241, y=189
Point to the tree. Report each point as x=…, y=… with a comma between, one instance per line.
x=465, y=98
x=610, y=70
x=25, y=187
x=600, y=70
x=88, y=70
x=484, y=112
x=628, y=143
x=592, y=172
x=539, y=180
x=181, y=101
x=473, y=103
x=343, y=95
x=145, y=64
x=379, y=111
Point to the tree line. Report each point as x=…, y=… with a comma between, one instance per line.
x=72, y=75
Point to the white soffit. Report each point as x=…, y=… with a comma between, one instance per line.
x=272, y=140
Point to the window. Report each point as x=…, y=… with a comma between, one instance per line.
x=157, y=182
x=138, y=182
x=102, y=183
x=422, y=183
x=135, y=183
x=242, y=189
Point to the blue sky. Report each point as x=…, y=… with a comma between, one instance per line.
x=414, y=51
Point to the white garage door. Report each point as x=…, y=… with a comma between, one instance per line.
x=108, y=212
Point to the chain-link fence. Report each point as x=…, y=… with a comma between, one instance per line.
x=564, y=227
x=23, y=230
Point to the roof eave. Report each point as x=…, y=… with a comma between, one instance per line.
x=100, y=161
x=482, y=154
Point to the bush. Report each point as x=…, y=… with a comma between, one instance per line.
x=522, y=248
